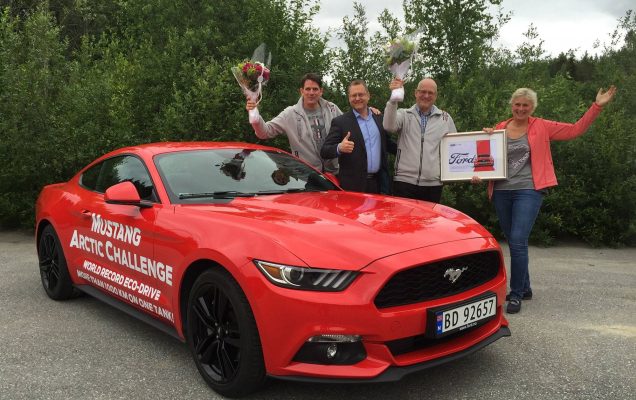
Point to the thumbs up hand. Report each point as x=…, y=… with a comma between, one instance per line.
x=346, y=146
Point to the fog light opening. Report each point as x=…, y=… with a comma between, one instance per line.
x=331, y=349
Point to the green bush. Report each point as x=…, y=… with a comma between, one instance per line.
x=78, y=79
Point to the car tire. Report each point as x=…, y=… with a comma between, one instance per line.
x=223, y=336
x=53, y=268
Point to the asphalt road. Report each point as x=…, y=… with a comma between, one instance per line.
x=575, y=340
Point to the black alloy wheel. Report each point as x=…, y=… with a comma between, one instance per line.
x=222, y=335
x=53, y=270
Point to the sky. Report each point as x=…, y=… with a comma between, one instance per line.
x=561, y=24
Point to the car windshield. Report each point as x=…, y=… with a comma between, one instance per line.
x=202, y=176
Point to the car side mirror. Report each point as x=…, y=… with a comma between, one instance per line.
x=125, y=193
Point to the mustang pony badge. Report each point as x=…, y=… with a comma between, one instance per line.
x=454, y=274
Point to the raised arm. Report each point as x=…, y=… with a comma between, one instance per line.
x=267, y=130
x=566, y=131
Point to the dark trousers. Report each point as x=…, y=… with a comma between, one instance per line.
x=426, y=193
x=372, y=184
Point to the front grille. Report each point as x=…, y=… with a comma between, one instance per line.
x=427, y=281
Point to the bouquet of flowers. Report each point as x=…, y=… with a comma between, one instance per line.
x=251, y=75
x=399, y=53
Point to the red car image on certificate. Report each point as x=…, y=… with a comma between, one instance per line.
x=483, y=159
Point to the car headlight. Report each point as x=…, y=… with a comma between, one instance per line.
x=325, y=280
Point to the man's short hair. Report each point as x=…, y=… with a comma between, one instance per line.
x=358, y=82
x=311, y=77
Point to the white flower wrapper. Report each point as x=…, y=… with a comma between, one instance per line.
x=399, y=71
x=254, y=93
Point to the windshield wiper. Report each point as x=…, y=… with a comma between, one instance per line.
x=282, y=191
x=225, y=194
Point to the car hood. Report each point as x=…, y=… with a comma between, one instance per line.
x=344, y=230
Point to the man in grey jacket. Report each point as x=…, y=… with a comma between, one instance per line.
x=306, y=124
x=420, y=129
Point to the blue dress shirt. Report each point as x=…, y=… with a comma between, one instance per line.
x=371, y=135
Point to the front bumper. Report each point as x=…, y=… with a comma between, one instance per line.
x=394, y=373
x=288, y=318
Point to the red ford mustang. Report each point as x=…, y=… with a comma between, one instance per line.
x=265, y=267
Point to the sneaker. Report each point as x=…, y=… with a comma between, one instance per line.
x=526, y=296
x=514, y=306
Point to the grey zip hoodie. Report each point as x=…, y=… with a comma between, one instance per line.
x=293, y=122
x=417, y=159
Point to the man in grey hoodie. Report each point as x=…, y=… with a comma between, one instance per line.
x=306, y=124
x=420, y=129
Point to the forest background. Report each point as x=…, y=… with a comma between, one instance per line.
x=79, y=78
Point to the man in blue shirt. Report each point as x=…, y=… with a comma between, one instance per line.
x=359, y=141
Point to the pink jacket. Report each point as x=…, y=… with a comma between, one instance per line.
x=540, y=133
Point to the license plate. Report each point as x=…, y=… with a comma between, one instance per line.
x=465, y=316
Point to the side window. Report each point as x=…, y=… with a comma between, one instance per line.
x=120, y=169
x=90, y=176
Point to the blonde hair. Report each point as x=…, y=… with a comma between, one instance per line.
x=528, y=94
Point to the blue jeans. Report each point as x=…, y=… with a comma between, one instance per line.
x=517, y=210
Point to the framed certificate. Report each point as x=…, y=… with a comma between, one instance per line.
x=467, y=154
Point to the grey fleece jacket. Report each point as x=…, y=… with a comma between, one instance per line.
x=417, y=159
x=293, y=122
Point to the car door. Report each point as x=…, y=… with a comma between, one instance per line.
x=121, y=258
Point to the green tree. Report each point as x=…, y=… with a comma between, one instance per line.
x=81, y=77
x=361, y=57
x=32, y=70
x=157, y=70
x=456, y=34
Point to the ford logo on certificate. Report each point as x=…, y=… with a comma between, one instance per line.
x=460, y=317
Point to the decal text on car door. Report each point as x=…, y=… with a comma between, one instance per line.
x=115, y=254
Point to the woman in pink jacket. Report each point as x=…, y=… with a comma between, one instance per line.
x=518, y=198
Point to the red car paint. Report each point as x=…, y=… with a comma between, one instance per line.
x=144, y=254
x=484, y=161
